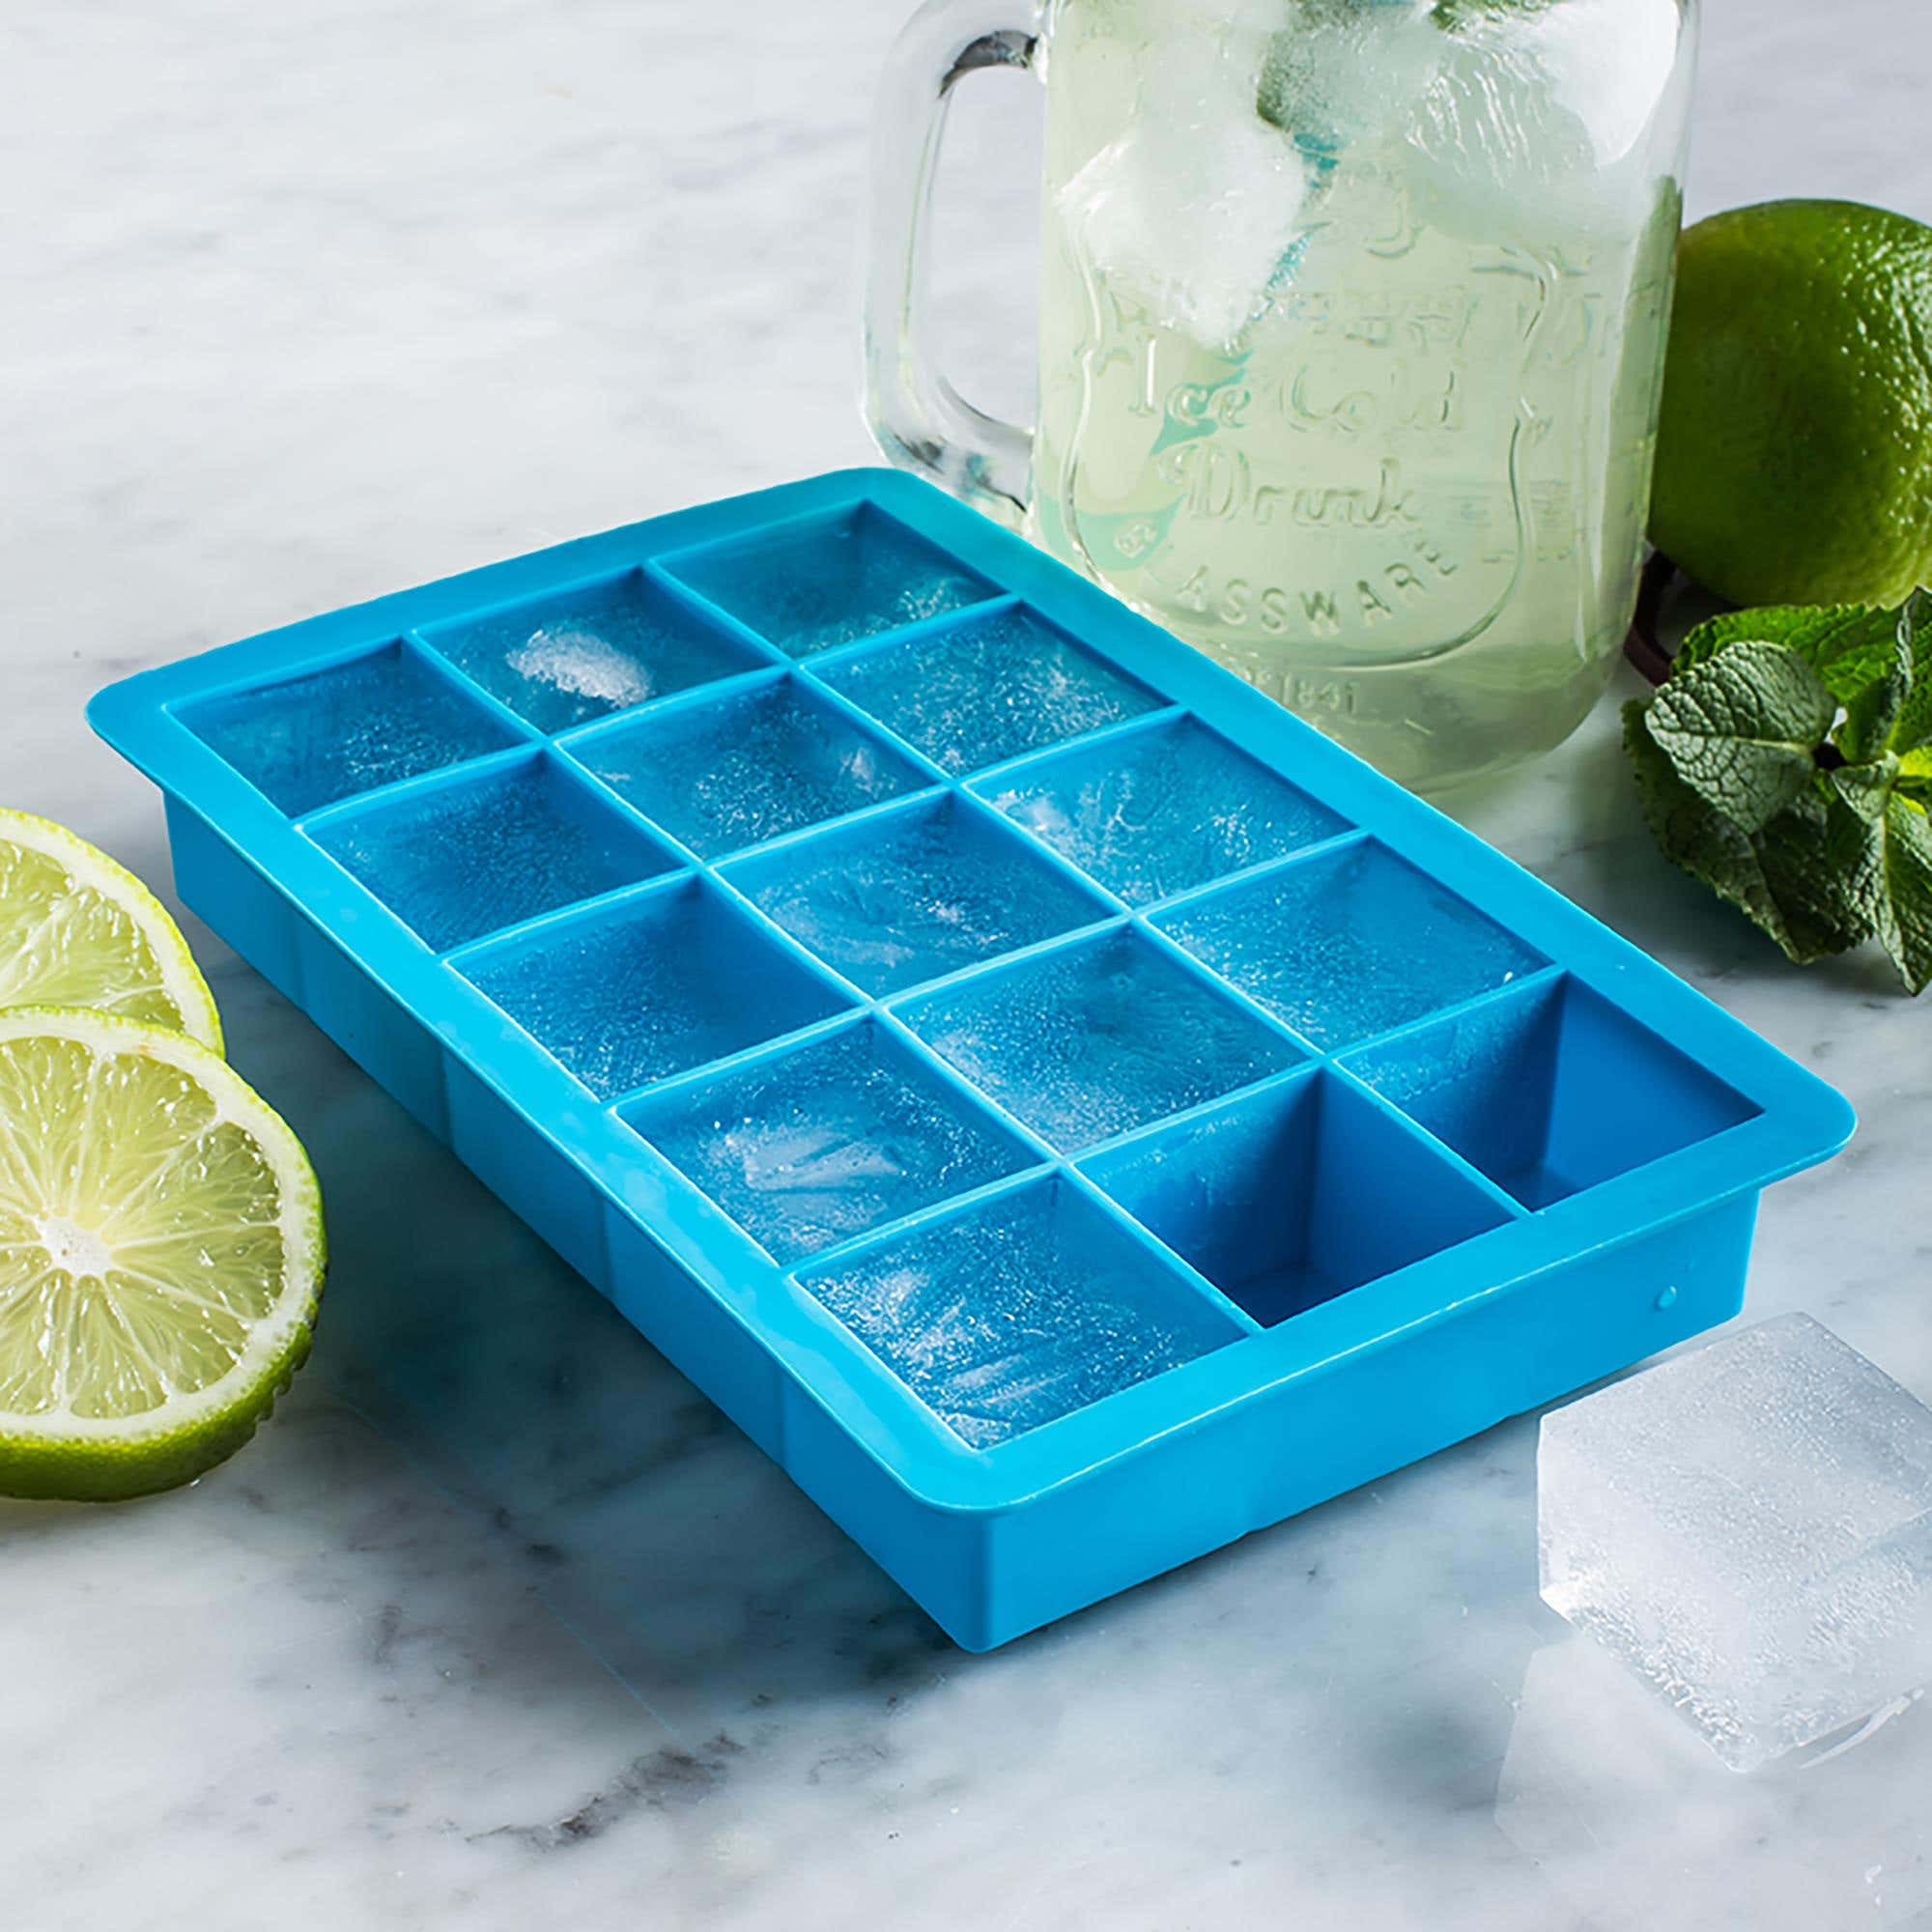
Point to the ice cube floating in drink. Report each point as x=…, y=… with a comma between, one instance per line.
x=1065, y=1111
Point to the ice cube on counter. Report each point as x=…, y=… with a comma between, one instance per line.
x=1750, y=1528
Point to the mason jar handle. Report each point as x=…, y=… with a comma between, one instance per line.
x=920, y=420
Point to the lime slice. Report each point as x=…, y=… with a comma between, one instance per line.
x=78, y=930
x=161, y=1251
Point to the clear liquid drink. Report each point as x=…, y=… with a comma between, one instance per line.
x=1352, y=335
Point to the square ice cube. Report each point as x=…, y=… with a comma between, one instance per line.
x=1084, y=1042
x=988, y=689
x=1349, y=944
x=647, y=987
x=576, y=654
x=468, y=856
x=1750, y=1528
x=736, y=770
x=1162, y=809
x=830, y=581
x=832, y=1138
x=915, y=893
x=319, y=739
x=1020, y=1311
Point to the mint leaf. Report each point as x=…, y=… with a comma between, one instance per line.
x=1874, y=712
x=1867, y=789
x=1847, y=644
x=1786, y=877
x=1741, y=729
x=1905, y=924
x=1454, y=14
x=1882, y=850
x=1912, y=730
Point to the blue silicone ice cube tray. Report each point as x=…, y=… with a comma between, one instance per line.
x=1067, y=1112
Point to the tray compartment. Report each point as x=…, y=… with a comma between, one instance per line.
x=828, y=580
x=1288, y=1197
x=586, y=651
x=1549, y=1090
x=308, y=742
x=1020, y=1309
x=649, y=986
x=471, y=854
x=723, y=773
x=913, y=892
x=1093, y=1039
x=817, y=1144
x=988, y=689
x=1153, y=812
x=1342, y=945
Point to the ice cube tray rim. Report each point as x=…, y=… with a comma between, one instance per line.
x=1800, y=1120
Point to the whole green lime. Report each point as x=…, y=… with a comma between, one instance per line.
x=1794, y=458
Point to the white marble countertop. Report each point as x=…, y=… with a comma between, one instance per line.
x=500, y=1624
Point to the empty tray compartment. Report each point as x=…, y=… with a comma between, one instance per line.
x=1549, y=1090
x=1287, y=1198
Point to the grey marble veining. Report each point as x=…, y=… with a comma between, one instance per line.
x=499, y=1624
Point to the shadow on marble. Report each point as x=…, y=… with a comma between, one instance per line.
x=1625, y=1810
x=667, y=1541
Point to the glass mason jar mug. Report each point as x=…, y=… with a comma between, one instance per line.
x=1351, y=330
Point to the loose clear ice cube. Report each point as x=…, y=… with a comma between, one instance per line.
x=837, y=1137
x=1750, y=1528
x=988, y=691
x=744, y=768
x=1019, y=1312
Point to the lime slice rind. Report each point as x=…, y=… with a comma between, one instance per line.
x=77, y=930
x=152, y=1307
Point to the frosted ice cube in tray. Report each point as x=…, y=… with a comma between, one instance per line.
x=1065, y=1111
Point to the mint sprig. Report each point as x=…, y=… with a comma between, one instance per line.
x=1787, y=763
